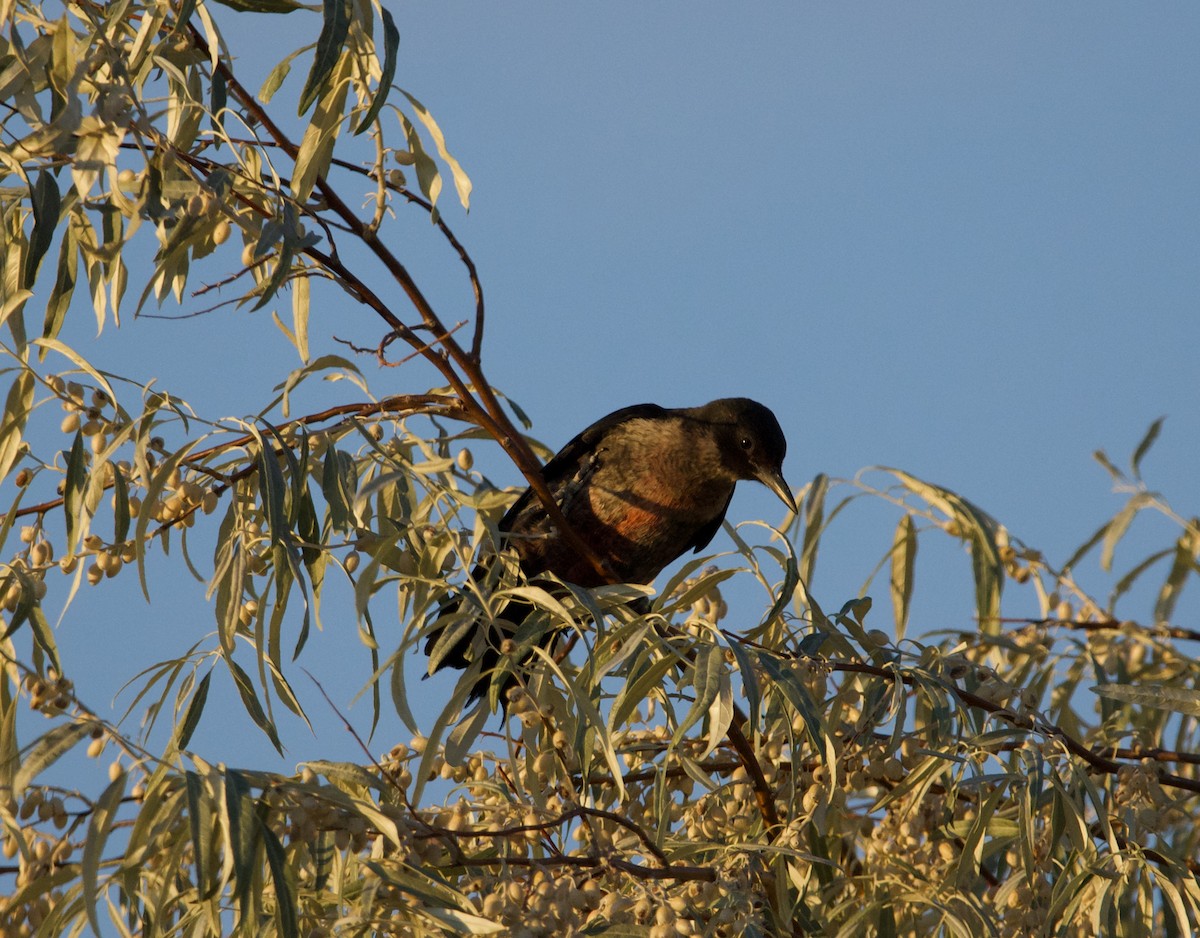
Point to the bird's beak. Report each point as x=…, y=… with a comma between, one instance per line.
x=773, y=479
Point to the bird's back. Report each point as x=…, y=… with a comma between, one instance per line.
x=640, y=486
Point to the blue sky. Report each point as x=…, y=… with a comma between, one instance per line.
x=959, y=239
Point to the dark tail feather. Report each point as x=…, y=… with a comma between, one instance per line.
x=459, y=638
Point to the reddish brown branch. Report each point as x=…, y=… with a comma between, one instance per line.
x=461, y=370
x=413, y=403
x=1093, y=757
x=1107, y=625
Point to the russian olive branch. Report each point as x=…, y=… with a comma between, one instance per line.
x=1106, y=625
x=461, y=369
x=450, y=837
x=403, y=403
x=1093, y=757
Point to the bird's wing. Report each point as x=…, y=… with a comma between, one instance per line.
x=709, y=531
x=573, y=458
x=564, y=474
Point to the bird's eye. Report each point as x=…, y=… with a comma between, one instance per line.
x=747, y=443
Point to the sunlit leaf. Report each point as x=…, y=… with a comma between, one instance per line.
x=47, y=750
x=1158, y=696
x=100, y=825
x=903, y=557
x=17, y=406
x=706, y=684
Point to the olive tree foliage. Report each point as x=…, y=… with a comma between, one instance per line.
x=695, y=764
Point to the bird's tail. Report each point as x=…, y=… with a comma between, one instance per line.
x=490, y=649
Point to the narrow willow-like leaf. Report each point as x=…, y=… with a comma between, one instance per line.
x=1126, y=582
x=53, y=345
x=62, y=291
x=282, y=267
x=273, y=489
x=73, y=488
x=348, y=774
x=338, y=485
x=1102, y=457
x=750, y=684
x=300, y=308
x=981, y=531
x=120, y=506
x=218, y=96
x=904, y=555
x=720, y=714
x=1184, y=700
x=464, y=923
x=228, y=580
x=241, y=833
x=463, y=737
x=191, y=719
x=277, y=75
x=316, y=146
x=1116, y=528
x=285, y=897
x=100, y=825
x=45, y=202
x=634, y=691
x=17, y=406
x=706, y=683
x=46, y=751
x=200, y=822
x=10, y=756
x=1144, y=447
x=450, y=715
x=391, y=44
x=334, y=29
x=813, y=511
x=1082, y=550
x=428, y=178
x=42, y=633
x=591, y=716
x=158, y=482
x=262, y=6
x=785, y=681
x=1182, y=566
x=973, y=842
x=253, y=705
x=462, y=182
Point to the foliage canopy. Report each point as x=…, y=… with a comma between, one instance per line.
x=732, y=759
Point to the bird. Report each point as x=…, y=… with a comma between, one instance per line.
x=641, y=487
